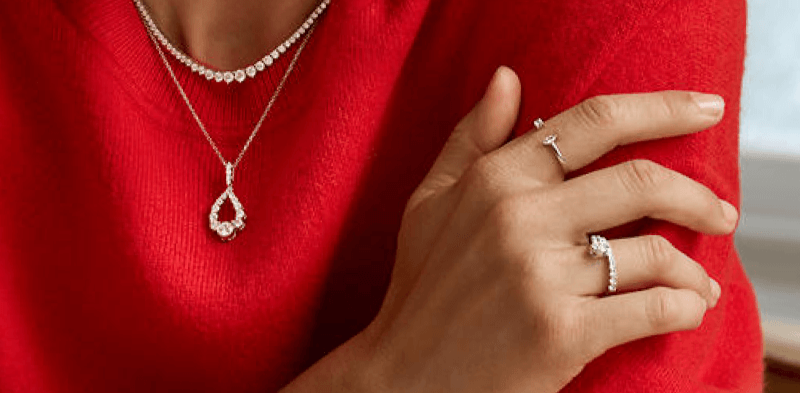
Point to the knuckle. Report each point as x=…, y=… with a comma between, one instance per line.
x=662, y=310
x=670, y=311
x=701, y=275
x=480, y=174
x=710, y=202
x=506, y=215
x=482, y=167
x=599, y=111
x=641, y=176
x=675, y=103
x=537, y=270
x=659, y=252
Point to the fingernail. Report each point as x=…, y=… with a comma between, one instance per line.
x=731, y=215
x=716, y=291
x=710, y=104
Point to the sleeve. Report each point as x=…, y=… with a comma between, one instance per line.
x=678, y=45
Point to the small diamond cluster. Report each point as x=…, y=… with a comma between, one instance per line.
x=239, y=75
x=600, y=247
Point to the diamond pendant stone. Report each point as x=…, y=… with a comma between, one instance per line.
x=227, y=230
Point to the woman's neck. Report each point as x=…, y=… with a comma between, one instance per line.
x=228, y=34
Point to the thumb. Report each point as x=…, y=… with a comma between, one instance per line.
x=482, y=130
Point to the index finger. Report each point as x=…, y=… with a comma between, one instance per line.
x=596, y=126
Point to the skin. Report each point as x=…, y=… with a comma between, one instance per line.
x=229, y=34
x=493, y=288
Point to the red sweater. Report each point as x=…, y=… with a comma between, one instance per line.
x=110, y=280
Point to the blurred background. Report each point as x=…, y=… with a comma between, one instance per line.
x=768, y=238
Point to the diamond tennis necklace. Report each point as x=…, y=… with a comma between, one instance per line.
x=241, y=74
x=227, y=230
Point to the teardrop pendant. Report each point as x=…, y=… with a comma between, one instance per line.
x=227, y=230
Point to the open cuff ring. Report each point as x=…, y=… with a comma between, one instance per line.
x=600, y=247
x=550, y=140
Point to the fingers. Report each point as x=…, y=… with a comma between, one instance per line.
x=482, y=130
x=643, y=262
x=616, y=320
x=596, y=126
x=617, y=195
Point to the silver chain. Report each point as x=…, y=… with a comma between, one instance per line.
x=272, y=99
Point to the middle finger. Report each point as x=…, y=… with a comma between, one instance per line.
x=635, y=189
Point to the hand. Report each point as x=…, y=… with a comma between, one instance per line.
x=493, y=288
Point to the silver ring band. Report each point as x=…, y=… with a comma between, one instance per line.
x=550, y=140
x=600, y=247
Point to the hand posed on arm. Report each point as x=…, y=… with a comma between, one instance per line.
x=493, y=287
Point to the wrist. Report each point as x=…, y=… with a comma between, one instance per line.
x=351, y=368
x=360, y=371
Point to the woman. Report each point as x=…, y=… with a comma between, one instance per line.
x=130, y=164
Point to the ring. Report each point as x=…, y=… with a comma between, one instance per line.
x=550, y=140
x=600, y=247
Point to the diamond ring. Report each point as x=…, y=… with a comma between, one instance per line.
x=599, y=247
x=550, y=140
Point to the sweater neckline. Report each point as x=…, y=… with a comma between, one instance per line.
x=227, y=110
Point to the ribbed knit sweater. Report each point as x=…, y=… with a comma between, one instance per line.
x=111, y=281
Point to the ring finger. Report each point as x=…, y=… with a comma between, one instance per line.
x=642, y=262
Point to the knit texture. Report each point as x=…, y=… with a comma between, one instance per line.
x=111, y=281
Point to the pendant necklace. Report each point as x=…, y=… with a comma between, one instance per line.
x=227, y=230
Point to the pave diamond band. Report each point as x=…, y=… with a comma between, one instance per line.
x=599, y=247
